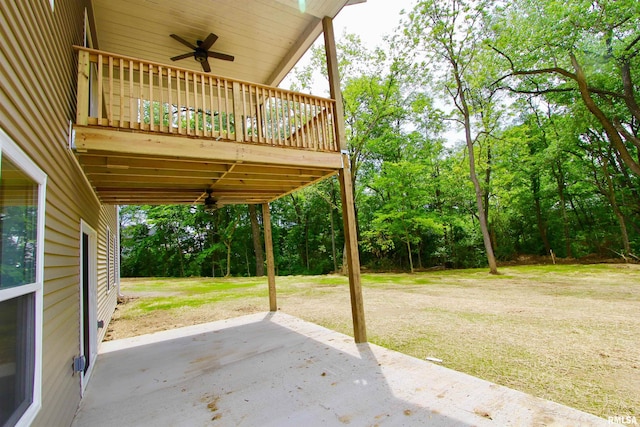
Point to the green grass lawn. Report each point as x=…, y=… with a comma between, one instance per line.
x=568, y=333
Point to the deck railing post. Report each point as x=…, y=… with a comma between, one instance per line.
x=237, y=112
x=82, y=99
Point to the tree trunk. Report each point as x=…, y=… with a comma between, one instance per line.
x=464, y=109
x=611, y=195
x=563, y=212
x=487, y=182
x=623, y=229
x=493, y=266
x=304, y=254
x=228, y=245
x=612, y=133
x=180, y=255
x=213, y=253
x=257, y=241
x=542, y=227
x=410, y=258
x=333, y=239
x=306, y=240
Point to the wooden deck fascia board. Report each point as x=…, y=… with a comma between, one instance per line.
x=90, y=139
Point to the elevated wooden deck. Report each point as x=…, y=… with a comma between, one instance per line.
x=150, y=133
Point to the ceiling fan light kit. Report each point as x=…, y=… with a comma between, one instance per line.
x=210, y=202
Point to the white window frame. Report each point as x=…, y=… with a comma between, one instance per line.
x=11, y=150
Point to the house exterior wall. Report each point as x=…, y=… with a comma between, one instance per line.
x=38, y=70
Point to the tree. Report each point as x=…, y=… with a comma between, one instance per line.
x=587, y=50
x=450, y=33
x=403, y=215
x=257, y=241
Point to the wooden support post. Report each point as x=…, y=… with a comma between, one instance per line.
x=346, y=187
x=351, y=247
x=82, y=97
x=271, y=269
x=334, y=80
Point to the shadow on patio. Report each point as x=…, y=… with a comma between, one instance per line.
x=275, y=369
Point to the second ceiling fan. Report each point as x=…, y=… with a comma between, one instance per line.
x=201, y=51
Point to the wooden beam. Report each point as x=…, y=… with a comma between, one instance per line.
x=334, y=80
x=282, y=170
x=94, y=139
x=303, y=186
x=297, y=179
x=351, y=247
x=271, y=270
x=303, y=44
x=123, y=161
x=105, y=171
x=346, y=187
x=100, y=180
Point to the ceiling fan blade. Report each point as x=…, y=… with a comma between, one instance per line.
x=206, y=67
x=222, y=56
x=183, y=56
x=183, y=41
x=209, y=41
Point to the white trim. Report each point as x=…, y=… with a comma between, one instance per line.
x=93, y=304
x=87, y=39
x=17, y=156
x=18, y=291
x=11, y=150
x=109, y=260
x=117, y=254
x=75, y=161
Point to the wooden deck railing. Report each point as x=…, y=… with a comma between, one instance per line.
x=123, y=92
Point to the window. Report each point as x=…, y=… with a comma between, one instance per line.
x=22, y=195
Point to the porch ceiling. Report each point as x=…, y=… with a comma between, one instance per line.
x=267, y=37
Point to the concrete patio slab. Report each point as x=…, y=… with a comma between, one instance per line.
x=277, y=370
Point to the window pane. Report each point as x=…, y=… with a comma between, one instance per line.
x=16, y=357
x=18, y=226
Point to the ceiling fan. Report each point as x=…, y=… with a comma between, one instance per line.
x=201, y=51
x=210, y=203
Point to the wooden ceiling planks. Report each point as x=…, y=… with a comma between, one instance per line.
x=266, y=37
x=137, y=179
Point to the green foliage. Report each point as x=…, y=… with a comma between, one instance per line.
x=551, y=175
